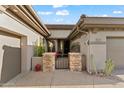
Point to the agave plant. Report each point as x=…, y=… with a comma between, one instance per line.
x=109, y=67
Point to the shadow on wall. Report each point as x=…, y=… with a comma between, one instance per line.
x=75, y=47
x=83, y=61
x=11, y=65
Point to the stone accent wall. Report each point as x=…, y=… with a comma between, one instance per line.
x=75, y=62
x=48, y=62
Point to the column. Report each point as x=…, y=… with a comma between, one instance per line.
x=26, y=55
x=56, y=45
x=75, y=62
x=48, y=62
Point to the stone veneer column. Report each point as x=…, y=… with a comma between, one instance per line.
x=48, y=62
x=75, y=62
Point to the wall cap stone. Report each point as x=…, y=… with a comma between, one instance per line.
x=49, y=53
x=73, y=53
x=37, y=57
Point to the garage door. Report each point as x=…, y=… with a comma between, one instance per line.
x=10, y=56
x=115, y=51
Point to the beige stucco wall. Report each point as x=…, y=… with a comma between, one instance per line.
x=84, y=47
x=103, y=20
x=59, y=33
x=96, y=48
x=18, y=28
x=27, y=39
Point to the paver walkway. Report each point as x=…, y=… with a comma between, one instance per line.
x=65, y=78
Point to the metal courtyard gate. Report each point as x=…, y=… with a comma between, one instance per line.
x=62, y=62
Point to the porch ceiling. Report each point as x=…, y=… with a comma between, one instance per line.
x=60, y=26
x=59, y=31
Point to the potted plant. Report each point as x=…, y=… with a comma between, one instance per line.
x=38, y=53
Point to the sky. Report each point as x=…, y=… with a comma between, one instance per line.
x=70, y=14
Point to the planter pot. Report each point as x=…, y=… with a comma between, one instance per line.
x=35, y=61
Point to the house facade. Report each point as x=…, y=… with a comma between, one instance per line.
x=95, y=39
x=20, y=28
x=100, y=38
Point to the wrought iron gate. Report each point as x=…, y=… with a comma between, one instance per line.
x=62, y=62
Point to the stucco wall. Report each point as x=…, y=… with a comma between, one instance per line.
x=93, y=45
x=18, y=28
x=59, y=33
x=98, y=46
x=27, y=39
x=73, y=43
x=84, y=48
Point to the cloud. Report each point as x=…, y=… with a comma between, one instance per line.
x=117, y=12
x=57, y=6
x=62, y=12
x=44, y=13
x=104, y=15
x=59, y=20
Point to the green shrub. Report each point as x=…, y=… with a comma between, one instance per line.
x=109, y=67
x=38, y=49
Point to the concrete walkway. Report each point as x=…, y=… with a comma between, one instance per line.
x=65, y=78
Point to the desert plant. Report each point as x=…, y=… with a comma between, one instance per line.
x=109, y=67
x=38, y=49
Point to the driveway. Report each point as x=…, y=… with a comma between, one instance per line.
x=66, y=78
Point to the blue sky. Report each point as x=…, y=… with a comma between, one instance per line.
x=52, y=14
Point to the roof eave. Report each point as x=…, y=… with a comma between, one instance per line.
x=40, y=28
x=76, y=29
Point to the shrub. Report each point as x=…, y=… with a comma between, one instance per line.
x=38, y=49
